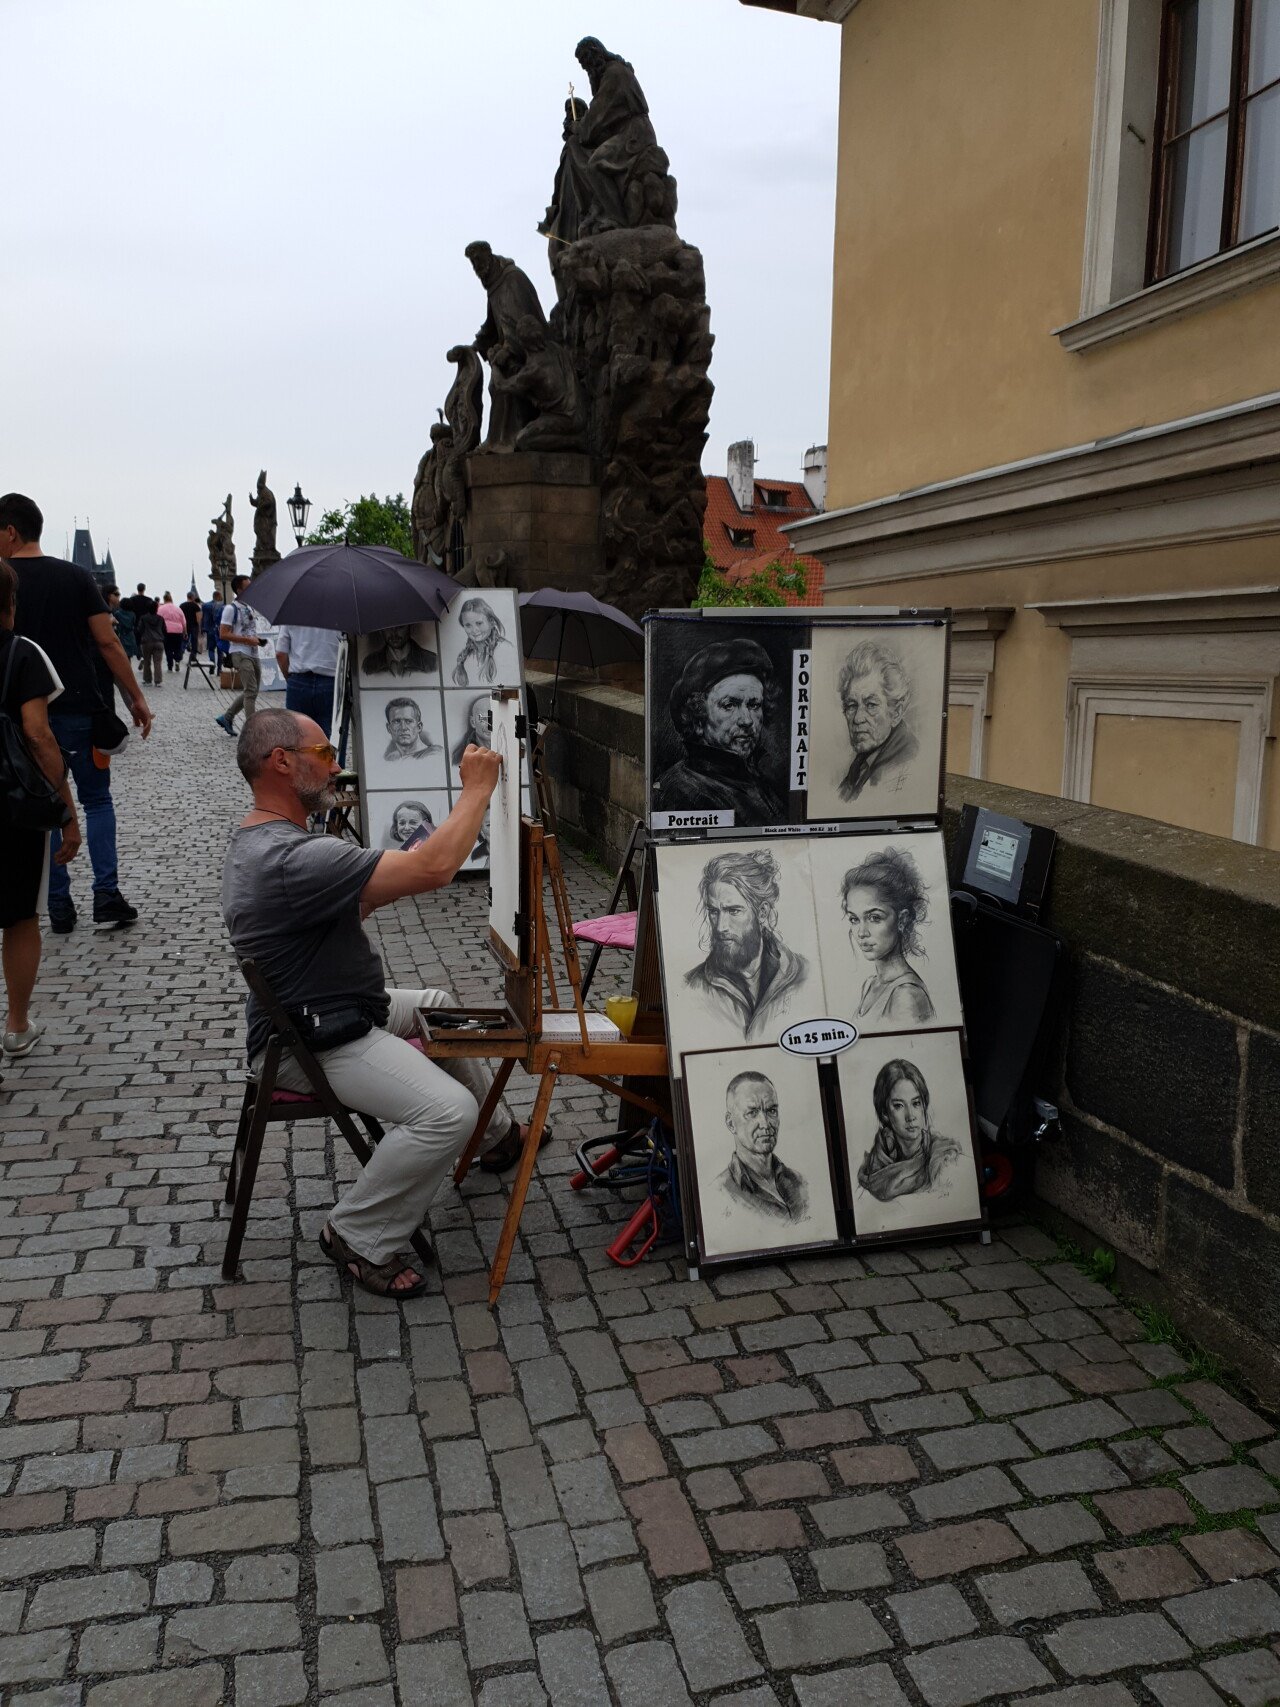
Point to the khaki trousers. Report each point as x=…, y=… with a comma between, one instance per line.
x=249, y=674
x=428, y=1110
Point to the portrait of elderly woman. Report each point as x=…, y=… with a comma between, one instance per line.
x=724, y=708
x=907, y=1154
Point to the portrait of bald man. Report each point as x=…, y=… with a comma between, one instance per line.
x=756, y=1178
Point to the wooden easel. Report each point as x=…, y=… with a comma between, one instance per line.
x=518, y=1032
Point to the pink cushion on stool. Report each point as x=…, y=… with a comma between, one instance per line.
x=614, y=930
x=416, y=1043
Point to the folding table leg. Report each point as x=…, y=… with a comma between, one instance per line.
x=463, y=1166
x=524, y=1173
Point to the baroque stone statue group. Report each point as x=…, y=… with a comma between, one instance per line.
x=222, y=548
x=617, y=375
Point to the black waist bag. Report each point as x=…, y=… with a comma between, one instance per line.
x=330, y=1021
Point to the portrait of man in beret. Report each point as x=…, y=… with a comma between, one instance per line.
x=722, y=707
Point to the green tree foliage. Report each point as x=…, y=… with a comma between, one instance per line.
x=767, y=586
x=369, y=521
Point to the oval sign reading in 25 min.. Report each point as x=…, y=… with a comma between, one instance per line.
x=818, y=1037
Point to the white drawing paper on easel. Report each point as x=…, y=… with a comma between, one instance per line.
x=504, y=824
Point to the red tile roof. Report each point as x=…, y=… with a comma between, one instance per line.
x=764, y=522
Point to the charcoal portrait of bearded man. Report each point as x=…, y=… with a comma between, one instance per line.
x=750, y=976
x=724, y=708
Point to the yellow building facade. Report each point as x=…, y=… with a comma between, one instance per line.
x=1055, y=388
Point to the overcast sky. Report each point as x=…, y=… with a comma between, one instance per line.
x=234, y=234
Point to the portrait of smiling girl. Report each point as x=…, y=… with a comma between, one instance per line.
x=487, y=657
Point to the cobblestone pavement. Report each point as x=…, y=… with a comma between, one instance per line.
x=942, y=1476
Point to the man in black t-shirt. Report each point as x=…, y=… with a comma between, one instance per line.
x=61, y=609
x=139, y=603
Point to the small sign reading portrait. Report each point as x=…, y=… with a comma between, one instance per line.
x=761, y=1158
x=907, y=1128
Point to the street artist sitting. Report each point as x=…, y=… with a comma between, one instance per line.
x=294, y=903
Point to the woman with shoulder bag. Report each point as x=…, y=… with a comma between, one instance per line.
x=28, y=682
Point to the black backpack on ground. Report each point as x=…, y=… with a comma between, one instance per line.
x=28, y=799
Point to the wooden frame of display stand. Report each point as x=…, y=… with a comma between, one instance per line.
x=516, y=1033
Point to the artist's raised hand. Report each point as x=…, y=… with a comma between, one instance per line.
x=480, y=769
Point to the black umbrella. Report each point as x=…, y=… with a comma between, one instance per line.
x=574, y=628
x=355, y=589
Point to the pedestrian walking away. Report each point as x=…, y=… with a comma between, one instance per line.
x=239, y=630
x=151, y=633
x=138, y=602
x=192, y=613
x=308, y=660
x=294, y=904
x=60, y=608
x=175, y=630
x=210, y=620
x=28, y=682
x=125, y=622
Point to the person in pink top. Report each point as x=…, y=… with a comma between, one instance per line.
x=175, y=629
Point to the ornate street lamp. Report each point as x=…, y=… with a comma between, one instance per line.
x=299, y=510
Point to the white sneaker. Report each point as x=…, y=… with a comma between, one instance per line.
x=18, y=1043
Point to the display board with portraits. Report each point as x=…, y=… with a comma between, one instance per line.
x=804, y=926
x=777, y=719
x=421, y=693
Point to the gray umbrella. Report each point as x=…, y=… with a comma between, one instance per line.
x=574, y=628
x=355, y=589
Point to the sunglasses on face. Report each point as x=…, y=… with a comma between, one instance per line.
x=322, y=749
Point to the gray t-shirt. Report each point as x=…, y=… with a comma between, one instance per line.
x=291, y=902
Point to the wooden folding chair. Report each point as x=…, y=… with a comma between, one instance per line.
x=265, y=1104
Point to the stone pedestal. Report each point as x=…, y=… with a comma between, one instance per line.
x=534, y=519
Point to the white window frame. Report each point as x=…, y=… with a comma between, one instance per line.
x=1114, y=296
x=974, y=632
x=970, y=690
x=1246, y=702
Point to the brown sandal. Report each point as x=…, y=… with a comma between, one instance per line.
x=374, y=1277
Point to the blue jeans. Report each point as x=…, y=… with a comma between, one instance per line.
x=312, y=695
x=74, y=734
